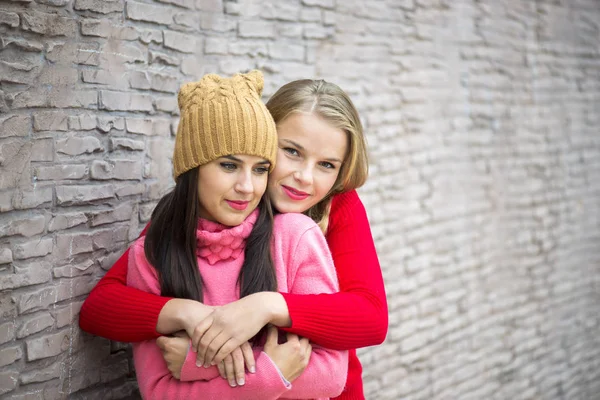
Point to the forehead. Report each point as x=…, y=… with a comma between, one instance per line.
x=243, y=158
x=316, y=135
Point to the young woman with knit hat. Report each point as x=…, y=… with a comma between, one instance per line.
x=305, y=111
x=214, y=239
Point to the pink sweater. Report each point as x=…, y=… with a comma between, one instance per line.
x=303, y=266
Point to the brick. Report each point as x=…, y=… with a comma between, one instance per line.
x=167, y=104
x=122, y=212
x=96, y=27
x=315, y=31
x=23, y=226
x=74, y=287
x=110, y=238
x=7, y=332
x=9, y=18
x=116, y=169
x=6, y=199
x=149, y=13
x=216, y=46
x=286, y=51
x=67, y=315
x=65, y=221
x=139, y=80
x=25, y=199
x=215, y=6
x=157, y=57
x=26, y=278
x=5, y=256
x=60, y=172
x=101, y=77
x=146, y=211
x=282, y=11
x=33, y=248
x=8, y=381
x=181, y=3
x=117, y=367
x=101, y=7
x=320, y=3
x=47, y=346
x=9, y=355
x=180, y=42
x=48, y=24
x=130, y=190
x=256, y=29
x=77, y=145
x=77, y=243
x=36, y=300
x=41, y=375
x=72, y=270
x=216, y=22
x=139, y=125
x=50, y=121
x=126, y=144
x=187, y=20
x=42, y=150
x=72, y=195
x=82, y=122
x=15, y=125
x=33, y=324
x=14, y=162
x=148, y=36
x=247, y=47
x=106, y=124
x=122, y=101
x=311, y=15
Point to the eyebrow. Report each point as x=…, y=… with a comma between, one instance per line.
x=234, y=158
x=303, y=149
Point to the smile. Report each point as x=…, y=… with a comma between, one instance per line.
x=238, y=205
x=294, y=194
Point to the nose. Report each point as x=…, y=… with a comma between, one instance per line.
x=304, y=175
x=244, y=183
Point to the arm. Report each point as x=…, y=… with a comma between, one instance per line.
x=357, y=316
x=155, y=380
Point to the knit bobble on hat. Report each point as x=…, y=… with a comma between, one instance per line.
x=223, y=116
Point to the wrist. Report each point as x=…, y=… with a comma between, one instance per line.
x=277, y=311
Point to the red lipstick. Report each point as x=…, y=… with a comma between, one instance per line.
x=238, y=205
x=294, y=194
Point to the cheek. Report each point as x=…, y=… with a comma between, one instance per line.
x=260, y=184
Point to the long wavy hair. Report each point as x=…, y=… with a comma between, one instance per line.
x=331, y=103
x=170, y=244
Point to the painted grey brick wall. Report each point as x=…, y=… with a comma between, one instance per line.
x=483, y=124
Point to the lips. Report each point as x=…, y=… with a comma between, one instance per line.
x=237, y=205
x=294, y=194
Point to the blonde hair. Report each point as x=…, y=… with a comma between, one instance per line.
x=331, y=103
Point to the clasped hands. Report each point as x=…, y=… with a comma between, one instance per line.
x=222, y=337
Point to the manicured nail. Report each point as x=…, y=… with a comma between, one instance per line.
x=198, y=364
x=213, y=363
x=252, y=369
x=241, y=382
x=232, y=384
x=206, y=365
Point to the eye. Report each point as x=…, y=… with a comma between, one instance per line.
x=228, y=166
x=326, y=164
x=291, y=151
x=261, y=170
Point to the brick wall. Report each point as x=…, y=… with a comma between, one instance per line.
x=484, y=196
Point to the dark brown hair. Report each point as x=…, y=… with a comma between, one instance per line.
x=170, y=244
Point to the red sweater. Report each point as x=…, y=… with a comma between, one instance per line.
x=355, y=317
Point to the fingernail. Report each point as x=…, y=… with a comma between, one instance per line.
x=241, y=382
x=212, y=363
x=198, y=364
x=252, y=369
x=206, y=365
x=232, y=384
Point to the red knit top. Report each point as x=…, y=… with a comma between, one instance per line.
x=355, y=317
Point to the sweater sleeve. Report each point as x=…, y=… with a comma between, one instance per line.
x=311, y=270
x=118, y=312
x=154, y=379
x=357, y=316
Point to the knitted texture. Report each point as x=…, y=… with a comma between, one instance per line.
x=220, y=117
x=218, y=242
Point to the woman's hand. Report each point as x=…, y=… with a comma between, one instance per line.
x=291, y=357
x=229, y=326
x=174, y=350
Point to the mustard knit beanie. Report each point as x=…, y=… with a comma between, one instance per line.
x=223, y=116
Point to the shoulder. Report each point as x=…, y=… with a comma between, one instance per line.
x=293, y=224
x=344, y=201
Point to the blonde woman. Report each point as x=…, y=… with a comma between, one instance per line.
x=321, y=160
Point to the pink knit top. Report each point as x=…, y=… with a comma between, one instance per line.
x=303, y=266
